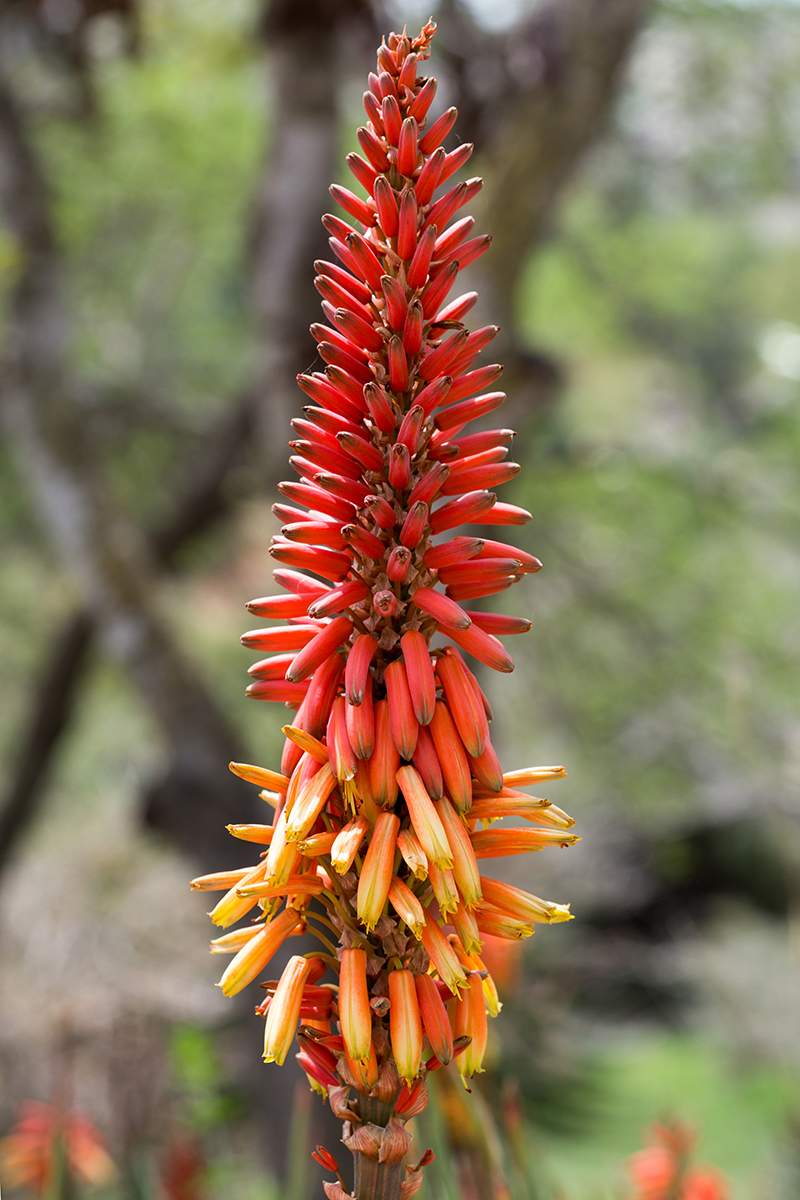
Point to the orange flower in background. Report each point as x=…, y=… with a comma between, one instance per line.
x=389, y=789
x=662, y=1170
x=653, y=1170
x=29, y=1155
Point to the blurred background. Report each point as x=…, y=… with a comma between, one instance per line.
x=163, y=167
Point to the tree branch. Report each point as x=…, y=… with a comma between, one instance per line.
x=52, y=707
x=556, y=76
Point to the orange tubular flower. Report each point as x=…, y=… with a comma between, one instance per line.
x=405, y=1024
x=444, y=888
x=355, y=1015
x=389, y=791
x=471, y=1020
x=471, y=961
x=425, y=821
x=443, y=956
x=376, y=873
x=406, y=905
x=435, y=1020
x=284, y=1010
x=346, y=844
x=257, y=952
x=413, y=854
x=466, y=927
x=500, y=843
x=465, y=864
x=522, y=905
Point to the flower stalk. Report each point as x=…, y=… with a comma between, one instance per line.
x=389, y=790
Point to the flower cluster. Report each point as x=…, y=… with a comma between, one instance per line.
x=47, y=1140
x=389, y=786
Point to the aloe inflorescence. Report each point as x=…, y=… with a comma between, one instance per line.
x=388, y=787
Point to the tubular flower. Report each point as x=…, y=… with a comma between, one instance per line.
x=405, y=1024
x=284, y=1011
x=389, y=789
x=470, y=1021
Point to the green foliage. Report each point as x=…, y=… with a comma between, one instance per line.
x=153, y=207
x=666, y=642
x=739, y=1111
x=200, y=1080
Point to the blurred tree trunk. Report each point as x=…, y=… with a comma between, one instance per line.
x=53, y=702
x=105, y=555
x=204, y=499
x=305, y=40
x=547, y=90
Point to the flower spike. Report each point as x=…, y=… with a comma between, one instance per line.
x=390, y=792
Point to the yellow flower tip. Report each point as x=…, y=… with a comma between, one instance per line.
x=350, y=795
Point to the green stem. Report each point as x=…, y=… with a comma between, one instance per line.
x=326, y=942
x=324, y=921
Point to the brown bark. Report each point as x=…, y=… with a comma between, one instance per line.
x=52, y=707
